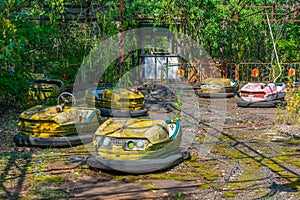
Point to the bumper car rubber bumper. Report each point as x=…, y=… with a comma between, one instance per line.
x=139, y=166
x=262, y=104
x=75, y=140
x=216, y=95
x=123, y=113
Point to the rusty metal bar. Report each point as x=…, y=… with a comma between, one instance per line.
x=292, y=11
x=286, y=7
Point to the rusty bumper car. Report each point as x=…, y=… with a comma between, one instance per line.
x=45, y=90
x=57, y=126
x=261, y=95
x=218, y=88
x=137, y=145
x=117, y=102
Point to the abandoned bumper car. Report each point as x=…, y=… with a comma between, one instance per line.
x=137, y=145
x=42, y=89
x=218, y=88
x=57, y=126
x=262, y=95
x=117, y=102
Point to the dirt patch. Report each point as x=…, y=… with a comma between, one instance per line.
x=92, y=188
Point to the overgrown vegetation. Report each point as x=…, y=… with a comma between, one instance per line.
x=44, y=36
x=291, y=111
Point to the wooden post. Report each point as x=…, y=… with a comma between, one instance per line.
x=236, y=73
x=273, y=72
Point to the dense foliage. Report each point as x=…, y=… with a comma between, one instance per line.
x=46, y=36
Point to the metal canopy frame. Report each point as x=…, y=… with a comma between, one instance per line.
x=162, y=64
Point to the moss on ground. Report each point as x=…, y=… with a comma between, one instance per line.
x=150, y=186
x=54, y=179
x=127, y=178
x=293, y=142
x=168, y=176
x=47, y=186
x=290, y=159
x=255, y=160
x=229, y=194
x=205, y=185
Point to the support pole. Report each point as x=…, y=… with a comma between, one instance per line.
x=122, y=33
x=274, y=46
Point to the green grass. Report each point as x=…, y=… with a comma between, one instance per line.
x=14, y=155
